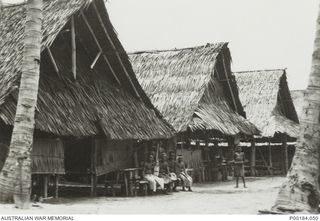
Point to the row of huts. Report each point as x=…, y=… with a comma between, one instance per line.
x=117, y=107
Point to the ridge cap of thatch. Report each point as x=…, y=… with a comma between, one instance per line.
x=261, y=70
x=298, y=90
x=224, y=44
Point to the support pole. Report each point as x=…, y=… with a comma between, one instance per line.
x=270, y=158
x=285, y=153
x=92, y=169
x=74, y=49
x=45, y=186
x=56, y=186
x=253, y=158
x=182, y=142
x=231, y=149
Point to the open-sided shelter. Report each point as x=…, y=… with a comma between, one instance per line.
x=196, y=92
x=267, y=102
x=91, y=110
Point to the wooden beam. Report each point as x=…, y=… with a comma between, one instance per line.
x=115, y=50
x=229, y=85
x=99, y=46
x=253, y=158
x=53, y=61
x=74, y=48
x=95, y=60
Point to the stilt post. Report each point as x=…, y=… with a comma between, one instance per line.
x=285, y=153
x=253, y=158
x=56, y=186
x=45, y=186
x=270, y=158
x=92, y=170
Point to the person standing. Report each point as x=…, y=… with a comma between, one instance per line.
x=239, y=166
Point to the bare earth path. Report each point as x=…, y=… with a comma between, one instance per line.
x=210, y=198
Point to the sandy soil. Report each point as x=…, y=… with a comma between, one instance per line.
x=209, y=198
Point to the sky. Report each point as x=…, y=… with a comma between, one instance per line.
x=262, y=34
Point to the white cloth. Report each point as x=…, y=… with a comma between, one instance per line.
x=153, y=181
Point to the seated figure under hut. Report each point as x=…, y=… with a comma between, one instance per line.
x=169, y=178
x=148, y=174
x=183, y=175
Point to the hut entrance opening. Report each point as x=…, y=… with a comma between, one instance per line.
x=78, y=159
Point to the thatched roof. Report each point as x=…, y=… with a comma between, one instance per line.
x=93, y=104
x=193, y=88
x=266, y=99
x=298, y=97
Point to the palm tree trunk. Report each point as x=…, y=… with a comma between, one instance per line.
x=15, y=179
x=300, y=191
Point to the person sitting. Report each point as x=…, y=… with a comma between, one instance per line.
x=148, y=174
x=172, y=164
x=183, y=175
x=165, y=172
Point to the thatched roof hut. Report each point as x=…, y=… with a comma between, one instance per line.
x=267, y=101
x=193, y=88
x=105, y=98
x=298, y=98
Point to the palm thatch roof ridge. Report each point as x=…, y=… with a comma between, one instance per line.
x=267, y=101
x=193, y=88
x=95, y=103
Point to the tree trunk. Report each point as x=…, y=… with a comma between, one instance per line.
x=15, y=179
x=300, y=191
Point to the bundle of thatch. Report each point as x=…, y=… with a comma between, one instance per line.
x=267, y=101
x=193, y=87
x=95, y=103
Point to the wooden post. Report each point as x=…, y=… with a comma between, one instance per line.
x=285, y=153
x=253, y=158
x=45, y=186
x=231, y=147
x=207, y=158
x=56, y=186
x=74, y=49
x=270, y=158
x=126, y=184
x=182, y=142
x=92, y=169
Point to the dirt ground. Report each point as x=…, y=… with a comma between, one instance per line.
x=208, y=198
